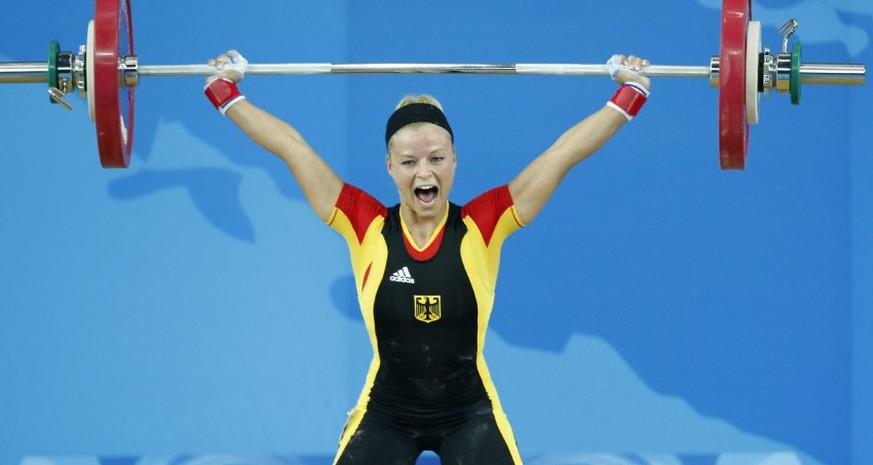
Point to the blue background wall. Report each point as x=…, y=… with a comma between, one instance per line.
x=658, y=309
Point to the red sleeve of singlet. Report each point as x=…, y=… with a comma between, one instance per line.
x=487, y=210
x=360, y=208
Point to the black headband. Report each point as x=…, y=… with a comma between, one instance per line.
x=416, y=113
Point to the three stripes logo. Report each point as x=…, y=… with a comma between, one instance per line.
x=402, y=276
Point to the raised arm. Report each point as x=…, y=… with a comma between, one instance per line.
x=319, y=183
x=533, y=187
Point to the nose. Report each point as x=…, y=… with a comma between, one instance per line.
x=424, y=169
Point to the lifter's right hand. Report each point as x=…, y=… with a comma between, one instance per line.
x=229, y=68
x=230, y=65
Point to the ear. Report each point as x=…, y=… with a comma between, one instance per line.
x=388, y=165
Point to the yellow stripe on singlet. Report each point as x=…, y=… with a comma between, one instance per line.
x=368, y=263
x=482, y=262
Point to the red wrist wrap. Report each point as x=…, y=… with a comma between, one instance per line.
x=628, y=100
x=223, y=93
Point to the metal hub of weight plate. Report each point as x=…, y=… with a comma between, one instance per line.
x=113, y=112
x=733, y=127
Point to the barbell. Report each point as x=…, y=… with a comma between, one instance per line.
x=105, y=71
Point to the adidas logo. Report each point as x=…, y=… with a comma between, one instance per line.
x=402, y=276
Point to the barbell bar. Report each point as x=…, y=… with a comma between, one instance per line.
x=106, y=71
x=36, y=72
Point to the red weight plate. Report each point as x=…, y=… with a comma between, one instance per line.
x=733, y=128
x=113, y=112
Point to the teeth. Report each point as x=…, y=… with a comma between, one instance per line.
x=428, y=186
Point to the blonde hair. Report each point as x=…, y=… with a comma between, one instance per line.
x=423, y=98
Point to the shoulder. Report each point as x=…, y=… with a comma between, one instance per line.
x=356, y=210
x=492, y=202
x=492, y=212
x=352, y=198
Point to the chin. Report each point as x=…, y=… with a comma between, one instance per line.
x=428, y=210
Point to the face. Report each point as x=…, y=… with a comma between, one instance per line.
x=421, y=160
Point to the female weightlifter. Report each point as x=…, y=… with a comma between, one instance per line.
x=425, y=269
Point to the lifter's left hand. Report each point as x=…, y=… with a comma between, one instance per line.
x=230, y=65
x=625, y=69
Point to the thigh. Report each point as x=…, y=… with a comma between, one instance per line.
x=480, y=441
x=376, y=443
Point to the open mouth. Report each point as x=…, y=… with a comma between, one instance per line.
x=426, y=194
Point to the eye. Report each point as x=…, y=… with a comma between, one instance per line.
x=408, y=162
x=437, y=159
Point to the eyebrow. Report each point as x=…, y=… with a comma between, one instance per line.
x=431, y=153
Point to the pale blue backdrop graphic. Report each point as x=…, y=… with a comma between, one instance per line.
x=659, y=311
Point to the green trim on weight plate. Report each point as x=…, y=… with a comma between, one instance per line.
x=795, y=73
x=54, y=49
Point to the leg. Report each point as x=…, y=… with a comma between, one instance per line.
x=480, y=442
x=374, y=443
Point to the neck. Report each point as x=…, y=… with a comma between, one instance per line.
x=421, y=228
